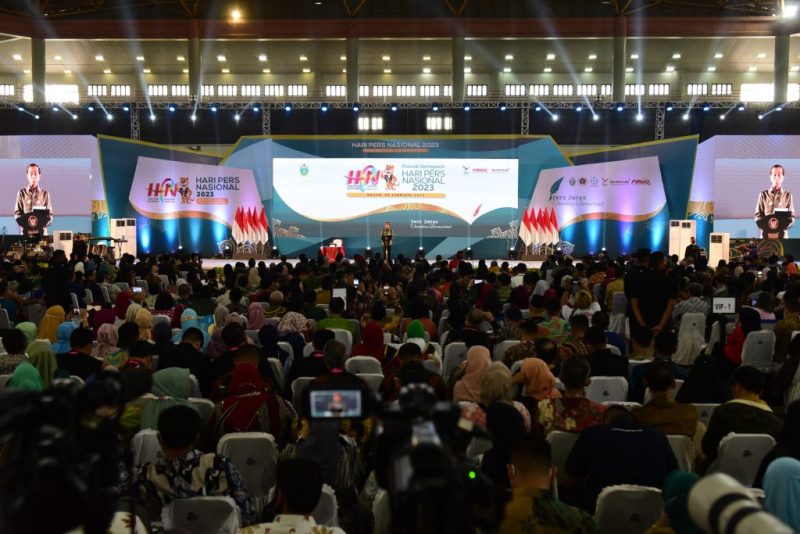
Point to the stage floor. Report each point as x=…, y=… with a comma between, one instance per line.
x=214, y=263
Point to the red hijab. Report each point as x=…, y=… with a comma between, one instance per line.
x=124, y=299
x=247, y=394
x=371, y=342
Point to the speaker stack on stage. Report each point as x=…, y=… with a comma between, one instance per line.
x=719, y=248
x=680, y=236
x=124, y=233
x=63, y=240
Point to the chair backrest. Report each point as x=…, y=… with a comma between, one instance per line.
x=633, y=363
x=363, y=364
x=387, y=338
x=382, y=512
x=298, y=389
x=607, y=388
x=88, y=298
x=74, y=298
x=164, y=280
x=716, y=333
x=356, y=331
x=683, y=448
x=255, y=456
x=597, y=292
x=308, y=348
x=326, y=513
x=628, y=509
x=627, y=405
x=343, y=336
x=202, y=515
x=157, y=319
x=432, y=366
x=678, y=385
x=561, y=444
x=123, y=286
x=104, y=292
x=4, y=381
x=373, y=380
x=145, y=446
x=693, y=324
x=195, y=386
x=5, y=321
x=204, y=406
x=758, y=350
x=704, y=411
x=502, y=347
x=620, y=303
x=285, y=345
x=454, y=354
x=277, y=371
x=740, y=456
x=614, y=350
x=253, y=335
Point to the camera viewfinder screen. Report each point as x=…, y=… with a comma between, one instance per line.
x=335, y=404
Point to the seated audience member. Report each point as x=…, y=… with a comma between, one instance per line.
x=298, y=488
x=505, y=424
x=584, y=305
x=372, y=344
x=495, y=387
x=49, y=324
x=410, y=370
x=539, y=383
x=416, y=333
x=664, y=346
x=469, y=387
x=675, y=494
x=335, y=319
x=79, y=361
x=63, y=336
x=187, y=355
x=781, y=487
x=603, y=361
x=641, y=344
x=619, y=452
x=471, y=333
x=572, y=412
x=189, y=319
x=511, y=328
x=602, y=321
x=136, y=384
x=255, y=316
x=731, y=355
x=662, y=413
x=184, y=471
x=14, y=343
x=314, y=363
x=547, y=351
x=171, y=387
x=141, y=355
x=145, y=321
x=574, y=344
x=746, y=413
x=785, y=327
x=41, y=356
x=537, y=310
x=335, y=374
x=107, y=339
x=276, y=307
x=310, y=308
x=691, y=301
x=162, y=339
x=526, y=348
x=553, y=326
x=268, y=337
x=234, y=337
x=165, y=305
x=788, y=442
x=127, y=335
x=25, y=378
x=251, y=406
x=533, y=507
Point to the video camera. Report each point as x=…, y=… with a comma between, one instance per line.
x=420, y=459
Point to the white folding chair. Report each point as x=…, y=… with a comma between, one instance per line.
x=683, y=448
x=740, y=456
x=561, y=444
x=356, y=330
x=345, y=337
x=74, y=299
x=628, y=509
x=427, y=337
x=145, y=446
x=382, y=513
x=308, y=348
x=5, y=321
x=104, y=292
x=194, y=387
x=627, y=405
x=202, y=515
x=387, y=338
x=502, y=347
x=633, y=363
x=363, y=364
x=759, y=349
x=164, y=280
x=619, y=306
x=607, y=388
x=157, y=319
x=691, y=338
x=373, y=380
x=253, y=335
x=277, y=371
x=204, y=406
x=454, y=354
x=432, y=366
x=614, y=350
x=715, y=337
x=255, y=456
x=123, y=286
x=4, y=381
x=298, y=389
x=88, y=298
x=327, y=511
x=704, y=411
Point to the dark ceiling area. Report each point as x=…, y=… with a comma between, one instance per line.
x=383, y=9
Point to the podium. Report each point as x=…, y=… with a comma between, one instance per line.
x=34, y=222
x=774, y=225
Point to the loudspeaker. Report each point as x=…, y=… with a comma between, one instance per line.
x=680, y=236
x=63, y=240
x=124, y=230
x=719, y=248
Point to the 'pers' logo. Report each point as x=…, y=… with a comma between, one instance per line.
x=167, y=188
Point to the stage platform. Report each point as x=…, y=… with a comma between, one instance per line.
x=210, y=263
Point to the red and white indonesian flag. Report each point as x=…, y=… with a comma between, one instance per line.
x=524, y=230
x=250, y=226
x=630, y=190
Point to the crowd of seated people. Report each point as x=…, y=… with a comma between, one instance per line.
x=517, y=349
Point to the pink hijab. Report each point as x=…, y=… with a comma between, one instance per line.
x=107, y=338
x=539, y=381
x=255, y=316
x=469, y=387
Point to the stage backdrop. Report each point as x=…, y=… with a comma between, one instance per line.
x=440, y=193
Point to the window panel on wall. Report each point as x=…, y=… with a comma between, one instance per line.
x=336, y=91
x=539, y=89
x=273, y=90
x=515, y=89
x=297, y=90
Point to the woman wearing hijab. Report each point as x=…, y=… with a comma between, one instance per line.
x=124, y=299
x=189, y=320
x=782, y=490
x=101, y=317
x=372, y=344
x=495, y=387
x=41, y=356
x=128, y=334
x=217, y=347
x=62, y=344
x=107, y=339
x=29, y=329
x=172, y=387
x=469, y=387
x=539, y=382
x=144, y=319
x=50, y=322
x=221, y=314
x=25, y=378
x=676, y=518
x=293, y=325
x=416, y=334
x=255, y=316
x=268, y=337
x=250, y=407
x=162, y=339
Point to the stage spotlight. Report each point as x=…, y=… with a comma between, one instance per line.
x=467, y=106
x=639, y=117
x=760, y=116
x=620, y=106
x=421, y=251
x=256, y=108
x=669, y=106
x=435, y=106
x=152, y=116
x=90, y=108
x=603, y=249
x=578, y=108
x=275, y=252
x=393, y=107
x=468, y=253
x=779, y=108
x=109, y=117
x=126, y=107
x=74, y=116
x=595, y=117
x=193, y=117
x=537, y=107
x=20, y=108
x=686, y=116
x=287, y=107
x=706, y=106
x=227, y=250
x=722, y=117
x=214, y=108
x=55, y=108
x=555, y=117
x=171, y=107
x=36, y=117
x=368, y=252
x=503, y=106
x=511, y=253
x=324, y=107
x=356, y=106
x=741, y=106
x=236, y=117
